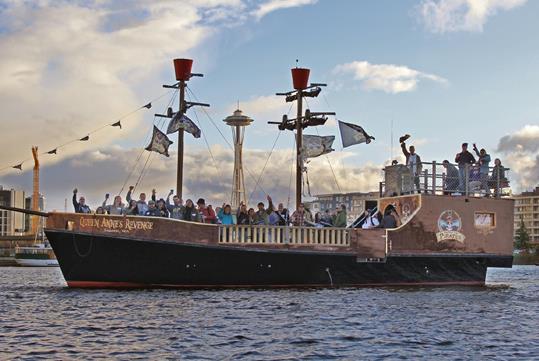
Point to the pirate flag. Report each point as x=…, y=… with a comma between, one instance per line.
x=182, y=121
x=314, y=145
x=353, y=134
x=159, y=143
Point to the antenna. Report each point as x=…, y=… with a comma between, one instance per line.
x=391, y=135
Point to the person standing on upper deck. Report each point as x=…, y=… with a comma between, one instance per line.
x=483, y=161
x=340, y=219
x=413, y=161
x=464, y=160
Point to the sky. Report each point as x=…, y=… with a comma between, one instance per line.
x=443, y=71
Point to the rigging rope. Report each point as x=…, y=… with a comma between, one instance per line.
x=264, y=168
x=148, y=135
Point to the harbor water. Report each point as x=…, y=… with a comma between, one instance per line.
x=40, y=318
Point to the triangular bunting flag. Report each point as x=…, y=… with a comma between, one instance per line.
x=18, y=166
x=85, y=138
x=314, y=145
x=353, y=134
x=159, y=143
x=52, y=151
x=182, y=121
x=148, y=106
x=117, y=124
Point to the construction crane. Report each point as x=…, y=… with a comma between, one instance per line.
x=35, y=194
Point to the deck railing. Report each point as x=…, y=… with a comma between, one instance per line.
x=435, y=180
x=242, y=234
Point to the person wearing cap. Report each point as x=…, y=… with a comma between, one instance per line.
x=464, y=159
x=451, y=183
x=207, y=213
x=80, y=206
x=152, y=210
x=413, y=161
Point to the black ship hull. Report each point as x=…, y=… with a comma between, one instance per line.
x=98, y=261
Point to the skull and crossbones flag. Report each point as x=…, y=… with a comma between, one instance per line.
x=353, y=134
x=314, y=145
x=182, y=121
x=159, y=143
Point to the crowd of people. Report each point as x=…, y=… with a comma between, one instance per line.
x=470, y=174
x=188, y=211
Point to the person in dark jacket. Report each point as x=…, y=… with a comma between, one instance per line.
x=152, y=210
x=464, y=159
x=190, y=212
x=242, y=215
x=483, y=160
x=176, y=209
x=497, y=179
x=80, y=206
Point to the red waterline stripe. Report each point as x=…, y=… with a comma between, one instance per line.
x=100, y=284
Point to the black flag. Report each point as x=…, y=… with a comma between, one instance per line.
x=117, y=124
x=353, y=134
x=85, y=138
x=159, y=143
x=52, y=151
x=18, y=166
x=182, y=121
x=148, y=106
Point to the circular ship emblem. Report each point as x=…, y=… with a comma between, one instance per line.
x=449, y=226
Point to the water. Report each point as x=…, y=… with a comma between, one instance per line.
x=41, y=318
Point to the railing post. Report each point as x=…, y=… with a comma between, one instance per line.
x=466, y=179
x=425, y=181
x=434, y=177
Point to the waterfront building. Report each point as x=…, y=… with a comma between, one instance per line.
x=527, y=210
x=11, y=223
x=356, y=203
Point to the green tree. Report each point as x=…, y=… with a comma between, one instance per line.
x=522, y=238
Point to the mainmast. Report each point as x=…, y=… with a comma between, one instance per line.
x=300, y=80
x=182, y=69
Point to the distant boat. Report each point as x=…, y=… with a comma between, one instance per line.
x=40, y=255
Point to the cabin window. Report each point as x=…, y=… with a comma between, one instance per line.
x=485, y=220
x=70, y=225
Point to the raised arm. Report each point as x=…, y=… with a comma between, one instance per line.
x=128, y=196
x=75, y=203
x=404, y=150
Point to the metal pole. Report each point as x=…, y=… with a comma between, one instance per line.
x=179, y=174
x=299, y=144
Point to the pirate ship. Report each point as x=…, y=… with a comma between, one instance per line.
x=441, y=239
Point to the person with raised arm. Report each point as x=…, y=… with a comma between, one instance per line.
x=116, y=208
x=142, y=206
x=413, y=161
x=483, y=160
x=176, y=209
x=80, y=206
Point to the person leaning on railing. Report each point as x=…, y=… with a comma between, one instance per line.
x=464, y=160
x=497, y=179
x=451, y=178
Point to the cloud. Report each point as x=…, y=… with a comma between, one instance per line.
x=60, y=79
x=441, y=16
x=273, y=5
x=203, y=177
x=521, y=154
x=386, y=77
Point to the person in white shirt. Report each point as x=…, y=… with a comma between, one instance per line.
x=371, y=221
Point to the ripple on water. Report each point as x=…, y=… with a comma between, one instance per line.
x=42, y=319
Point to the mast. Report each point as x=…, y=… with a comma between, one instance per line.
x=300, y=80
x=182, y=69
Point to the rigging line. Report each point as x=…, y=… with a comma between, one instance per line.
x=93, y=131
x=206, y=141
x=226, y=140
x=170, y=103
x=264, y=168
